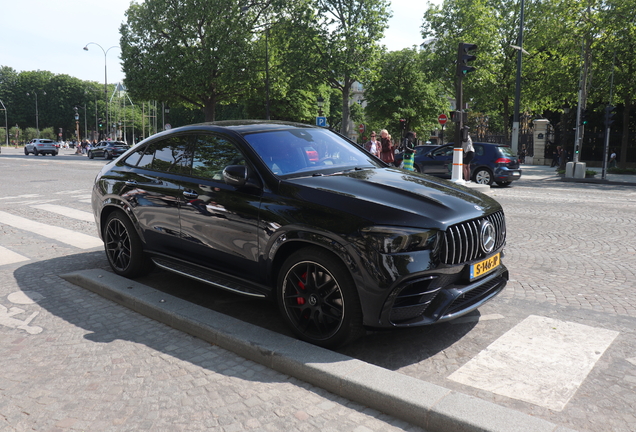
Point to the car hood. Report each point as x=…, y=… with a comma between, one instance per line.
x=378, y=195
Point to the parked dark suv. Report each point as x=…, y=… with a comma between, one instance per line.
x=303, y=216
x=492, y=163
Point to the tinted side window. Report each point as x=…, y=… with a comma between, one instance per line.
x=168, y=155
x=212, y=154
x=479, y=150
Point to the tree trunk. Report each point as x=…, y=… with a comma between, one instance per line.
x=209, y=110
x=346, y=112
x=622, y=160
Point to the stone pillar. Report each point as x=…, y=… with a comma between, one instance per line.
x=540, y=139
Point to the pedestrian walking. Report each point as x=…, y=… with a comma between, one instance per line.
x=386, y=147
x=373, y=145
x=469, y=154
x=522, y=154
x=409, y=150
x=555, y=157
x=612, y=160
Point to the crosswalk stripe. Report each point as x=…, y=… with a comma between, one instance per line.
x=79, y=240
x=66, y=211
x=9, y=257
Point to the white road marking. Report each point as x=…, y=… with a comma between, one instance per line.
x=66, y=211
x=9, y=257
x=20, y=196
x=541, y=360
x=79, y=240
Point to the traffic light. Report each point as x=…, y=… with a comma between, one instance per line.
x=463, y=57
x=584, y=116
x=100, y=122
x=610, y=112
x=403, y=124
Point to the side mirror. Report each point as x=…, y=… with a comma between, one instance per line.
x=238, y=176
x=235, y=175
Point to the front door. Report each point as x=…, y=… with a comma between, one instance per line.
x=219, y=223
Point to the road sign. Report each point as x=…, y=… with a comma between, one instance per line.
x=361, y=128
x=167, y=126
x=442, y=119
x=321, y=121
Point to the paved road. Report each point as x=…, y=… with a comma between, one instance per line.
x=73, y=361
x=571, y=303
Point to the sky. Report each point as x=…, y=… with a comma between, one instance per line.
x=49, y=35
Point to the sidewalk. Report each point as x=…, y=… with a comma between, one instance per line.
x=547, y=173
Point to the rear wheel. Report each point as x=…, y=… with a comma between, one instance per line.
x=106, y=156
x=318, y=298
x=483, y=176
x=504, y=183
x=124, y=248
x=35, y=152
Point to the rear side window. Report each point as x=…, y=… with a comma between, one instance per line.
x=167, y=155
x=506, y=151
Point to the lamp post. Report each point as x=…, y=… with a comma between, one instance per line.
x=37, y=124
x=105, y=74
x=320, y=102
x=515, y=119
x=6, y=125
x=77, y=134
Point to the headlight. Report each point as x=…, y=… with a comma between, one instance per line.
x=388, y=239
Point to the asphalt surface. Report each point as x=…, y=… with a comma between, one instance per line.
x=571, y=255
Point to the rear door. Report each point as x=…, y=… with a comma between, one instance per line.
x=154, y=191
x=439, y=163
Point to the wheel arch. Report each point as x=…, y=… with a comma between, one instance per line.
x=110, y=206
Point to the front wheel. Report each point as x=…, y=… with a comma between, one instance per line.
x=26, y=152
x=124, y=248
x=318, y=299
x=483, y=176
x=106, y=156
x=90, y=155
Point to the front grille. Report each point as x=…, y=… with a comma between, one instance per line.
x=461, y=242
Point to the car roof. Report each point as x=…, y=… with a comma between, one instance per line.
x=245, y=127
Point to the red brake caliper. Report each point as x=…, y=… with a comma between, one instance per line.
x=301, y=285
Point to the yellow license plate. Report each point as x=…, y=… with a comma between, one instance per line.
x=485, y=266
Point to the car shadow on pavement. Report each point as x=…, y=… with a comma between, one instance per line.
x=391, y=349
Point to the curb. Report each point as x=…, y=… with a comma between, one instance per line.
x=432, y=407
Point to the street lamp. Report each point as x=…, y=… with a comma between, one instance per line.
x=105, y=74
x=320, y=102
x=37, y=124
x=6, y=125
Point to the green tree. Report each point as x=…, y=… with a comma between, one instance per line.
x=197, y=52
x=335, y=42
x=402, y=90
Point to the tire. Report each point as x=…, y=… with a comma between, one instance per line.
x=54, y=154
x=504, y=183
x=417, y=168
x=35, y=152
x=483, y=176
x=106, y=157
x=90, y=155
x=123, y=246
x=26, y=152
x=318, y=298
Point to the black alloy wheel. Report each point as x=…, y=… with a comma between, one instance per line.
x=26, y=152
x=106, y=156
x=483, y=176
x=90, y=154
x=318, y=298
x=35, y=152
x=124, y=248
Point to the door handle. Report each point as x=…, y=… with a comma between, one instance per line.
x=190, y=195
x=131, y=183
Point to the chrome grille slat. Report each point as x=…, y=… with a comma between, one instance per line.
x=462, y=243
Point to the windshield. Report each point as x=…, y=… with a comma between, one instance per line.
x=306, y=151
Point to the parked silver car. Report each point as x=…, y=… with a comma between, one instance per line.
x=39, y=146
